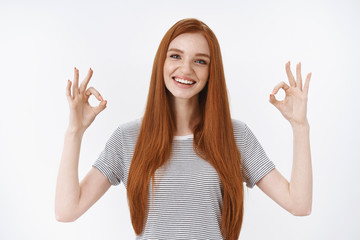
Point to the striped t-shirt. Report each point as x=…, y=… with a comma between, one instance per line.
x=187, y=199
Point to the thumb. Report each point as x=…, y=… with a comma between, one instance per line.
x=273, y=100
x=99, y=108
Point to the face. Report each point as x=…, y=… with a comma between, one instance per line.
x=186, y=67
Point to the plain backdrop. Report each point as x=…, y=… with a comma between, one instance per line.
x=42, y=41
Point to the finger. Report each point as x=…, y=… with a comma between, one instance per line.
x=307, y=82
x=86, y=80
x=94, y=92
x=76, y=82
x=290, y=75
x=68, y=91
x=298, y=76
x=282, y=85
x=100, y=107
x=274, y=101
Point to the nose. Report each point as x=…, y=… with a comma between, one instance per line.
x=186, y=67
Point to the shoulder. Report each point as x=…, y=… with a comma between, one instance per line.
x=238, y=123
x=129, y=129
x=130, y=125
x=242, y=132
x=239, y=126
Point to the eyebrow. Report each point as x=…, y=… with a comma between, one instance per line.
x=198, y=54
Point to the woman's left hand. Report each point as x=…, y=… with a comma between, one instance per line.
x=294, y=105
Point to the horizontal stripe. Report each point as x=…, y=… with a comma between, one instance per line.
x=187, y=201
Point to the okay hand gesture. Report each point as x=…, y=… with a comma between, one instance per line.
x=82, y=114
x=294, y=105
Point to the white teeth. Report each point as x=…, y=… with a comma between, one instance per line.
x=184, y=81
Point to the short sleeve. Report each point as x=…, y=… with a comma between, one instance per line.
x=256, y=163
x=110, y=160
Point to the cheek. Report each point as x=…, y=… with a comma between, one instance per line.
x=165, y=68
x=167, y=73
x=205, y=75
x=168, y=67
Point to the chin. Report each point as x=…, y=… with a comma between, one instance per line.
x=184, y=96
x=180, y=95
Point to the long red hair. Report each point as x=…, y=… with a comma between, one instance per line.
x=213, y=135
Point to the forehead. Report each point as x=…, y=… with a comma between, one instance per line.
x=192, y=42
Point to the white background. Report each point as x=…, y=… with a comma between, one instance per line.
x=41, y=43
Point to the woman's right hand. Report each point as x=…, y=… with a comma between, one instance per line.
x=82, y=114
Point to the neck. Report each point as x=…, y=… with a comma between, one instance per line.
x=186, y=113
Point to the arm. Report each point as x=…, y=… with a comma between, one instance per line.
x=296, y=196
x=72, y=198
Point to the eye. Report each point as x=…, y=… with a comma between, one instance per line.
x=201, y=61
x=174, y=56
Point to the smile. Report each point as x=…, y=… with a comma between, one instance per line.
x=183, y=81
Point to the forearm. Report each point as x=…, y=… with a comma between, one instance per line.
x=300, y=187
x=67, y=187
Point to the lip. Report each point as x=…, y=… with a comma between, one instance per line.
x=185, y=86
x=185, y=78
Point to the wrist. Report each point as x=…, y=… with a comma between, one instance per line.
x=74, y=132
x=300, y=126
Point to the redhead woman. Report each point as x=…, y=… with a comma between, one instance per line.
x=184, y=162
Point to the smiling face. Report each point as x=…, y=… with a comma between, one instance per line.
x=186, y=67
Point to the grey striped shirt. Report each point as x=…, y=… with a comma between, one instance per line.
x=187, y=199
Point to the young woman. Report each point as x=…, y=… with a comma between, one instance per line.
x=184, y=162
